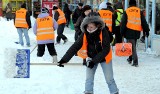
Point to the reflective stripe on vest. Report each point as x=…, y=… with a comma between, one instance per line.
x=106, y=16
x=20, y=19
x=61, y=18
x=119, y=16
x=134, y=18
x=83, y=51
x=45, y=29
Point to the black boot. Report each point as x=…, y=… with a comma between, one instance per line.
x=117, y=93
x=135, y=64
x=129, y=61
x=84, y=61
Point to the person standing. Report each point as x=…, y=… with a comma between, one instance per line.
x=67, y=13
x=118, y=15
x=133, y=21
x=44, y=28
x=8, y=11
x=106, y=13
x=59, y=16
x=77, y=13
x=86, y=10
x=94, y=45
x=23, y=23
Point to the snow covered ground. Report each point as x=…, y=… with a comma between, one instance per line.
x=51, y=79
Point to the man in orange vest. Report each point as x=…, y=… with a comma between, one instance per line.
x=133, y=21
x=106, y=13
x=44, y=28
x=22, y=22
x=94, y=45
x=59, y=16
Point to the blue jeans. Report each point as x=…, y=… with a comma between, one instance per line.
x=108, y=74
x=20, y=33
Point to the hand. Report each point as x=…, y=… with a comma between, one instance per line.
x=90, y=64
x=61, y=62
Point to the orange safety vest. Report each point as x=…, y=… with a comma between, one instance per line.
x=134, y=18
x=20, y=20
x=106, y=16
x=83, y=51
x=45, y=29
x=61, y=18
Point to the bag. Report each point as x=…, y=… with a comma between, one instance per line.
x=8, y=10
x=123, y=49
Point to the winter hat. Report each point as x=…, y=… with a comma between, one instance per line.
x=102, y=5
x=23, y=5
x=55, y=7
x=132, y=2
x=80, y=4
x=108, y=4
x=86, y=7
x=119, y=5
x=93, y=17
x=44, y=10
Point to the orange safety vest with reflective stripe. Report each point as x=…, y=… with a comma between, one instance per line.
x=134, y=18
x=45, y=29
x=20, y=20
x=83, y=51
x=106, y=16
x=61, y=18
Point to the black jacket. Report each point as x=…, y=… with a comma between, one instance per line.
x=96, y=50
x=133, y=34
x=78, y=24
x=76, y=14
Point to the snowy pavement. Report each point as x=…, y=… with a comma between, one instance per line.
x=51, y=79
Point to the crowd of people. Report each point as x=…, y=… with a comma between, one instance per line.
x=94, y=32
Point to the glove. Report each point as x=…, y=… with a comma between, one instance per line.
x=89, y=63
x=61, y=62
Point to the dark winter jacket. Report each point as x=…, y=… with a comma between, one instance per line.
x=27, y=19
x=96, y=50
x=67, y=11
x=8, y=14
x=56, y=15
x=133, y=34
x=76, y=14
x=78, y=24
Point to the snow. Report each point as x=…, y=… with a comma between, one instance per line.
x=51, y=79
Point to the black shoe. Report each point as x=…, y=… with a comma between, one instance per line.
x=84, y=62
x=65, y=41
x=136, y=65
x=142, y=40
x=129, y=61
x=117, y=93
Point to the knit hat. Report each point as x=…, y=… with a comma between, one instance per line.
x=108, y=4
x=44, y=10
x=55, y=7
x=132, y=2
x=86, y=7
x=80, y=4
x=23, y=5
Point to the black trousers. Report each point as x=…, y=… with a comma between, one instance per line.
x=60, y=33
x=77, y=34
x=41, y=49
x=134, y=56
x=118, y=36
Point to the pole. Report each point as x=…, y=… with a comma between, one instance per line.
x=126, y=4
x=153, y=21
x=147, y=19
x=33, y=49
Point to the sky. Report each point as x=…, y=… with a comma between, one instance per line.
x=51, y=79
